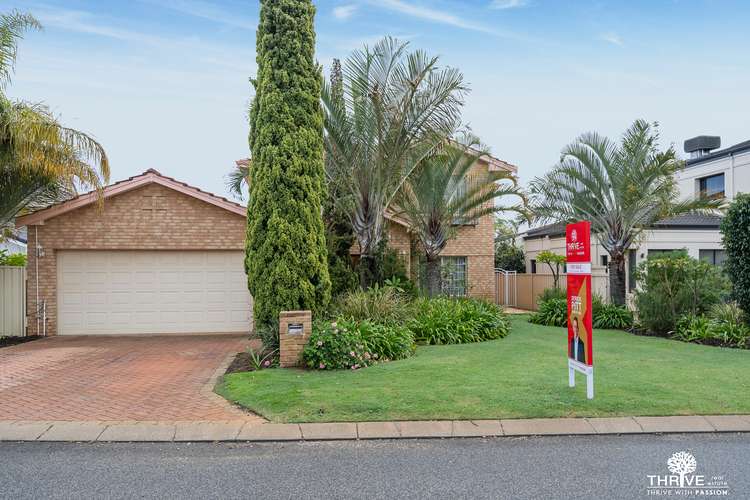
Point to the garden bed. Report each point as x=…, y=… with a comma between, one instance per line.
x=11, y=341
x=521, y=376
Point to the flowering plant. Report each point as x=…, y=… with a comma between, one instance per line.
x=349, y=344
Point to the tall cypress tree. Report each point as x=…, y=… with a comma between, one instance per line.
x=286, y=256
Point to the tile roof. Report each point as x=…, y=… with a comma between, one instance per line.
x=149, y=176
x=686, y=221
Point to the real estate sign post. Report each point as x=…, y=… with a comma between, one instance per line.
x=580, y=330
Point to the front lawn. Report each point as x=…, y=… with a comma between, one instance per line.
x=523, y=375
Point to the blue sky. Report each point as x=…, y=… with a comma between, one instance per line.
x=164, y=83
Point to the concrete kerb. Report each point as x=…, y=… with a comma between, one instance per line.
x=253, y=431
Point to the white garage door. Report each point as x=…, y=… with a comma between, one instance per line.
x=131, y=292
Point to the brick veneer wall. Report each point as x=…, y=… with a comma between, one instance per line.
x=291, y=346
x=152, y=217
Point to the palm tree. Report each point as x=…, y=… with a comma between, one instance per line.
x=622, y=189
x=238, y=179
x=444, y=192
x=41, y=161
x=397, y=106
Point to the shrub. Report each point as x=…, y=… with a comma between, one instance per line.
x=14, y=259
x=611, y=316
x=552, y=312
x=268, y=335
x=510, y=257
x=387, y=342
x=356, y=344
x=707, y=330
x=382, y=305
x=456, y=321
x=674, y=286
x=285, y=248
x=729, y=312
x=735, y=228
x=552, y=293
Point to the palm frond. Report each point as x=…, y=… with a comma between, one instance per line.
x=12, y=28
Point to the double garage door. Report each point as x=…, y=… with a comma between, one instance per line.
x=152, y=292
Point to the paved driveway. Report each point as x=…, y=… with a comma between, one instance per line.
x=117, y=378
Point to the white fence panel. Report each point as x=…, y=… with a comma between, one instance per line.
x=12, y=301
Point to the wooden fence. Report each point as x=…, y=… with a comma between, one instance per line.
x=522, y=290
x=12, y=301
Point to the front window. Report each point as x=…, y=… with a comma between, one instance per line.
x=533, y=266
x=454, y=276
x=659, y=252
x=711, y=187
x=713, y=257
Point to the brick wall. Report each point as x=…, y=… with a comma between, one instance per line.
x=152, y=217
x=291, y=346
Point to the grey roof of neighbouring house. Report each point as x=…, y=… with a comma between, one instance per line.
x=688, y=221
x=731, y=150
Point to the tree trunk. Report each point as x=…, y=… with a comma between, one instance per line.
x=433, y=276
x=617, y=279
x=367, y=271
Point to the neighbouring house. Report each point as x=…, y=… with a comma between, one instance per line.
x=723, y=173
x=15, y=243
x=468, y=260
x=156, y=257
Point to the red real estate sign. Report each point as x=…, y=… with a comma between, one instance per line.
x=578, y=255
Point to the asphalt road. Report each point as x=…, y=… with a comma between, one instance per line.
x=540, y=467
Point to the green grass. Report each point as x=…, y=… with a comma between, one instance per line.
x=523, y=375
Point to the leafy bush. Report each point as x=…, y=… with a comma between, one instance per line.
x=404, y=287
x=510, y=257
x=14, y=259
x=735, y=228
x=379, y=304
x=551, y=293
x=729, y=312
x=611, y=316
x=552, y=312
x=456, y=321
x=674, y=286
x=706, y=330
x=268, y=335
x=356, y=344
x=387, y=342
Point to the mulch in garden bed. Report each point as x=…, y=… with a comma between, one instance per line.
x=9, y=341
x=240, y=363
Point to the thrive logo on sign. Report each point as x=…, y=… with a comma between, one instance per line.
x=683, y=482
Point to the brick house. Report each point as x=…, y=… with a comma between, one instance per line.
x=468, y=259
x=158, y=256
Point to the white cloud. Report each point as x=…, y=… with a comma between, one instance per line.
x=612, y=38
x=430, y=14
x=344, y=11
x=508, y=4
x=207, y=10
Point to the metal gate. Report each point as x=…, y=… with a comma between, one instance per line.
x=506, y=293
x=12, y=301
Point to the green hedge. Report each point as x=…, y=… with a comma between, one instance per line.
x=457, y=321
x=735, y=228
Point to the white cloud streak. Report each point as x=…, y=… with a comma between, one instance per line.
x=508, y=4
x=612, y=38
x=430, y=14
x=207, y=10
x=344, y=12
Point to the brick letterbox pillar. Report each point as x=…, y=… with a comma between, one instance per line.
x=294, y=332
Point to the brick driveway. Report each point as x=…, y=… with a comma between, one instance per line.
x=117, y=378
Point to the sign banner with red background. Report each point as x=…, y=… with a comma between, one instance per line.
x=578, y=255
